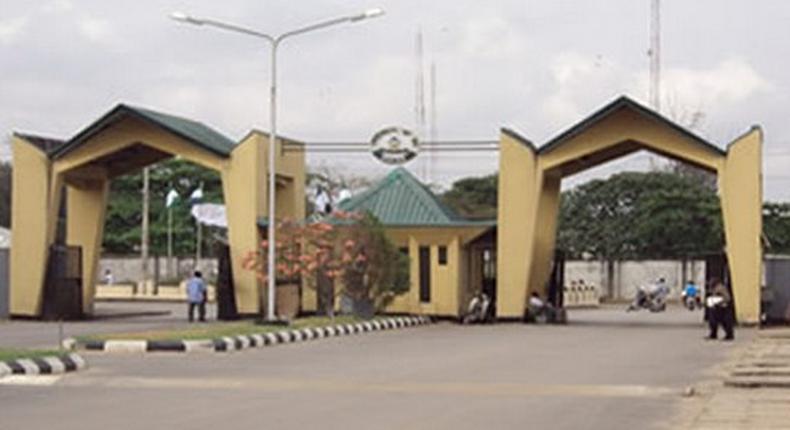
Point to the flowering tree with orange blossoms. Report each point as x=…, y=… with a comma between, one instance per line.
x=309, y=253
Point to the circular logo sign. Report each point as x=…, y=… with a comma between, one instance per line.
x=395, y=145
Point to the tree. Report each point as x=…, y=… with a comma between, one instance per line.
x=474, y=197
x=383, y=273
x=332, y=181
x=640, y=215
x=124, y=211
x=353, y=250
x=6, y=173
x=776, y=227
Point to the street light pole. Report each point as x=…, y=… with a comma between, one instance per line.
x=275, y=43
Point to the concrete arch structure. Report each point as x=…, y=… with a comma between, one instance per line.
x=122, y=141
x=529, y=190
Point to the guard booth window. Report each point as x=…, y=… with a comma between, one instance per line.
x=425, y=274
x=405, y=251
x=442, y=255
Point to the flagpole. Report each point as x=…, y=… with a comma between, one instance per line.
x=197, y=245
x=170, y=241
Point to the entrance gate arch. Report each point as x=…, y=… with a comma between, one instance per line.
x=529, y=193
x=124, y=140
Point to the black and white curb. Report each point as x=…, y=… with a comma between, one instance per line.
x=233, y=343
x=51, y=365
x=310, y=333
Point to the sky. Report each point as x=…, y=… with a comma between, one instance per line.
x=534, y=66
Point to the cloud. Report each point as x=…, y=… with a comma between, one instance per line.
x=581, y=82
x=11, y=28
x=58, y=6
x=95, y=29
x=731, y=81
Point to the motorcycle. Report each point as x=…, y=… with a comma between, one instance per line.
x=654, y=302
x=691, y=298
x=691, y=301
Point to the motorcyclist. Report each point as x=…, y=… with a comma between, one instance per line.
x=691, y=296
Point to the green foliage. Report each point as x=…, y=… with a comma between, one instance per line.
x=384, y=273
x=776, y=227
x=640, y=215
x=124, y=212
x=6, y=172
x=474, y=197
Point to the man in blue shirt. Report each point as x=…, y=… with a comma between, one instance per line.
x=196, y=296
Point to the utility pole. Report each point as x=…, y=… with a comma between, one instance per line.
x=144, y=235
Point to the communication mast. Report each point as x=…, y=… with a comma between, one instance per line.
x=655, y=54
x=419, y=96
x=655, y=62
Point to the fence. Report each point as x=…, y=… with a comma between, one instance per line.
x=619, y=280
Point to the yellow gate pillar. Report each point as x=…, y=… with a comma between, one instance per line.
x=546, y=211
x=85, y=209
x=30, y=213
x=515, y=222
x=740, y=185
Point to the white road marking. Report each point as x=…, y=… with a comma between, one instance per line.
x=31, y=380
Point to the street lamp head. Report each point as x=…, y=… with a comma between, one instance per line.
x=185, y=18
x=370, y=13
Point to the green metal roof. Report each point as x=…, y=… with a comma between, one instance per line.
x=192, y=131
x=401, y=200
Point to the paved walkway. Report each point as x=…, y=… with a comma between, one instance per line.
x=752, y=390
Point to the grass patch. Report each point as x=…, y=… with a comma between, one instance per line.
x=215, y=329
x=15, y=354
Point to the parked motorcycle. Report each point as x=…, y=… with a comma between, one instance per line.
x=652, y=299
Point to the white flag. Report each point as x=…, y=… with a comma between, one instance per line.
x=197, y=195
x=171, y=198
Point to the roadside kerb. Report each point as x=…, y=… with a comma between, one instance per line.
x=49, y=365
x=235, y=343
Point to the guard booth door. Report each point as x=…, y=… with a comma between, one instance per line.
x=63, y=284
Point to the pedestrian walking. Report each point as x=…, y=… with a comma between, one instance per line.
x=196, y=296
x=720, y=311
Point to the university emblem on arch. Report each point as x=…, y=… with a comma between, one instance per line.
x=395, y=145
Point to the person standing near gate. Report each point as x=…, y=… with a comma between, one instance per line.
x=196, y=296
x=719, y=306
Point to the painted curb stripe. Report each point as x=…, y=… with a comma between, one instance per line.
x=5, y=369
x=165, y=345
x=271, y=338
x=55, y=364
x=29, y=366
x=78, y=361
x=68, y=363
x=43, y=367
x=94, y=345
x=15, y=367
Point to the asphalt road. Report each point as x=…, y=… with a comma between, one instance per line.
x=605, y=370
x=111, y=317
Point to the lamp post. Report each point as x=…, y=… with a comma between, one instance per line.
x=275, y=43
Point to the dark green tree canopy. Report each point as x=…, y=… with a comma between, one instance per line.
x=124, y=213
x=637, y=215
x=474, y=198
